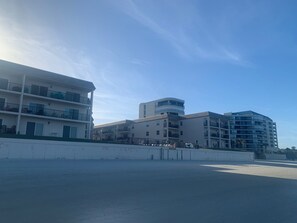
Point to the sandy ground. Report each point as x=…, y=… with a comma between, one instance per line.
x=147, y=191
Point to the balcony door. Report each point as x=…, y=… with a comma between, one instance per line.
x=30, y=128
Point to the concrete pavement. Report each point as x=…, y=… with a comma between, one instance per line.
x=147, y=191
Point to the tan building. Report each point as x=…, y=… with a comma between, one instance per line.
x=35, y=102
x=241, y=130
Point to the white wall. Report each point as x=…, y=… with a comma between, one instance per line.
x=41, y=149
x=275, y=156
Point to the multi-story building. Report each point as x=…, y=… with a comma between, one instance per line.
x=206, y=129
x=252, y=131
x=35, y=102
x=241, y=130
x=173, y=106
x=159, y=129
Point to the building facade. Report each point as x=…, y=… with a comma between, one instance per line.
x=162, y=106
x=252, y=131
x=35, y=102
x=203, y=130
x=241, y=130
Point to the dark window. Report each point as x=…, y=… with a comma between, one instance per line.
x=181, y=133
x=30, y=128
x=66, y=131
x=181, y=123
x=147, y=125
x=70, y=96
x=35, y=89
x=43, y=91
x=2, y=103
x=37, y=109
x=39, y=90
x=147, y=133
x=71, y=114
x=158, y=132
x=3, y=83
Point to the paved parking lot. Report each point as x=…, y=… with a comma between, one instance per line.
x=147, y=191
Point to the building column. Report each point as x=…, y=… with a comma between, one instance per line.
x=208, y=129
x=21, y=105
x=91, y=116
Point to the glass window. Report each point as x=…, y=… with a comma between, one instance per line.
x=38, y=129
x=3, y=83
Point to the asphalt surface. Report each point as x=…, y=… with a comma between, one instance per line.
x=147, y=191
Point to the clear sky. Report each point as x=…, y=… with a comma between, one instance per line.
x=220, y=56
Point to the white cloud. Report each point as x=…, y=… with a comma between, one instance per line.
x=181, y=40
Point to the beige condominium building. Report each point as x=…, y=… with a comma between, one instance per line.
x=206, y=129
x=163, y=122
x=35, y=102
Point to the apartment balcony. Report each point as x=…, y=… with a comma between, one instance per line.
x=173, y=135
x=214, y=124
x=125, y=129
x=10, y=86
x=216, y=135
x=58, y=95
x=9, y=107
x=55, y=113
x=107, y=132
x=175, y=126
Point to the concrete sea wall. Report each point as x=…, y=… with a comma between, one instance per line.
x=46, y=149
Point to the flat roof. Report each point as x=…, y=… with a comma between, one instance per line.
x=18, y=69
x=163, y=99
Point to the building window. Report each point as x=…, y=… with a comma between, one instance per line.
x=158, y=132
x=3, y=83
x=181, y=133
x=39, y=90
x=71, y=113
x=158, y=123
x=71, y=96
x=2, y=103
x=147, y=125
x=37, y=109
x=181, y=123
x=34, y=129
x=147, y=133
x=69, y=132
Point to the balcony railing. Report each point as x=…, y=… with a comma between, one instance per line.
x=214, y=124
x=9, y=107
x=54, y=113
x=10, y=86
x=68, y=96
x=173, y=135
x=175, y=126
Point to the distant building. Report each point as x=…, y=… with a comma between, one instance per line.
x=163, y=122
x=250, y=130
x=173, y=106
x=35, y=102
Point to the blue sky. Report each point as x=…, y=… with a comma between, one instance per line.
x=219, y=56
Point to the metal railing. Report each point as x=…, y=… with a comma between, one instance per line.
x=70, y=96
x=10, y=107
x=54, y=113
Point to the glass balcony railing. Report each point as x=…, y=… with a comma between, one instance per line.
x=44, y=92
x=9, y=107
x=65, y=96
x=55, y=113
x=10, y=86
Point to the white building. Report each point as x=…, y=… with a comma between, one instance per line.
x=163, y=121
x=162, y=106
x=35, y=102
